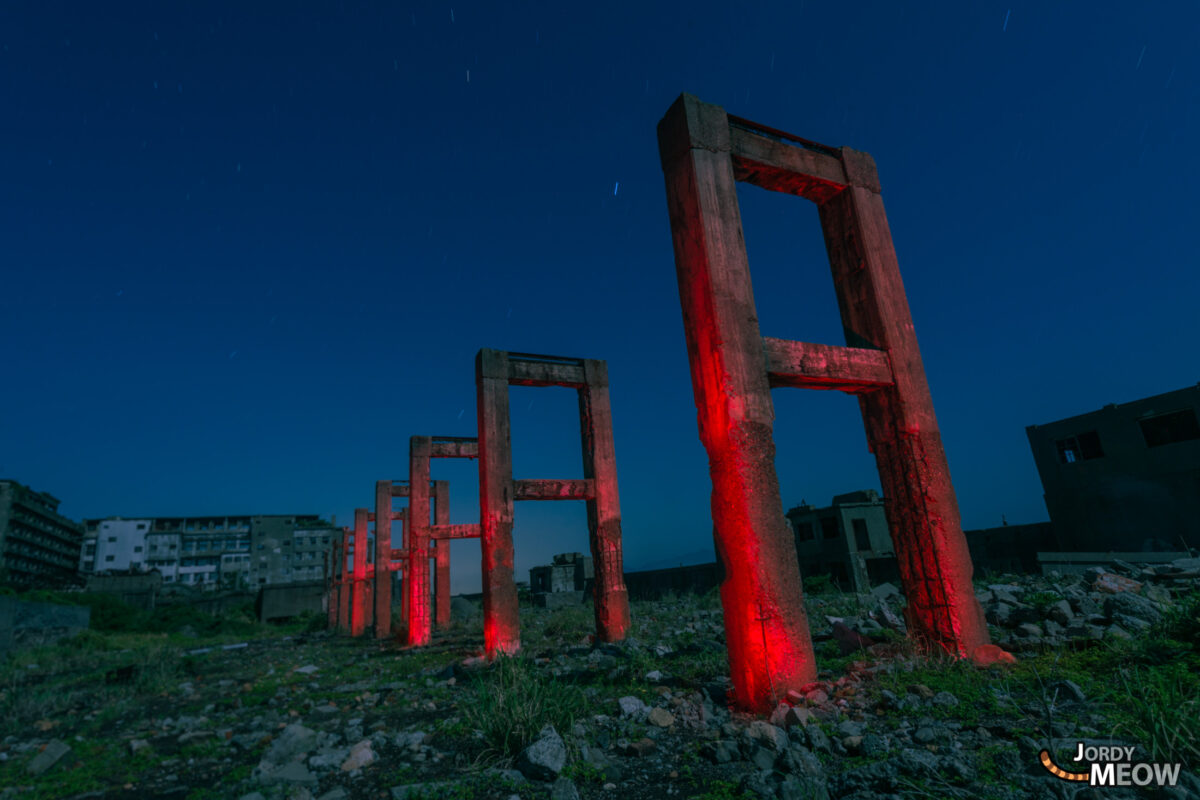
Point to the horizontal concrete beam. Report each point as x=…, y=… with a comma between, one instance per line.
x=544, y=373
x=854, y=370
x=466, y=531
x=552, y=489
x=782, y=167
x=448, y=447
x=401, y=514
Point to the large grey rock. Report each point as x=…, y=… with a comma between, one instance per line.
x=291, y=774
x=545, y=758
x=360, y=756
x=767, y=735
x=1131, y=605
x=794, y=787
x=633, y=707
x=53, y=753
x=798, y=760
x=1060, y=612
x=295, y=741
x=328, y=758
x=1001, y=614
x=564, y=789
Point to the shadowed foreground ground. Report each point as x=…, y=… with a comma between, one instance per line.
x=299, y=713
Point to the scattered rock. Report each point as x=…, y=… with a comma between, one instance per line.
x=51, y=754
x=360, y=756
x=293, y=772
x=295, y=741
x=633, y=707
x=545, y=758
x=564, y=789
x=660, y=717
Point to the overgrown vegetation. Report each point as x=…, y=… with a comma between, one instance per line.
x=512, y=701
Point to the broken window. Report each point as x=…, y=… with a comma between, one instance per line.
x=1176, y=426
x=1081, y=447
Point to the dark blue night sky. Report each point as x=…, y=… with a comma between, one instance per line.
x=246, y=251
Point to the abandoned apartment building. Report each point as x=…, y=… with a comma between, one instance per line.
x=1125, y=478
x=209, y=552
x=38, y=545
x=563, y=582
x=1118, y=481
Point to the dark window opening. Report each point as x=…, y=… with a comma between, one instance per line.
x=829, y=528
x=1082, y=447
x=1177, y=426
x=804, y=532
x=862, y=539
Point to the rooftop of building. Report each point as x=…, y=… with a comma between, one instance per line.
x=1145, y=406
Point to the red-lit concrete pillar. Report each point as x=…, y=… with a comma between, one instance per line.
x=501, y=631
x=902, y=429
x=441, y=551
x=604, y=510
x=383, y=559
x=770, y=650
x=420, y=620
x=358, y=602
x=344, y=583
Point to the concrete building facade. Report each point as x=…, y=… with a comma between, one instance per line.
x=211, y=552
x=1125, y=477
x=849, y=541
x=38, y=545
x=114, y=544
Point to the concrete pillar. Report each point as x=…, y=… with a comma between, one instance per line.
x=902, y=428
x=770, y=650
x=331, y=582
x=358, y=602
x=604, y=510
x=420, y=627
x=501, y=631
x=403, y=569
x=383, y=559
x=441, y=516
x=344, y=583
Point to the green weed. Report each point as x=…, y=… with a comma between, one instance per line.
x=512, y=702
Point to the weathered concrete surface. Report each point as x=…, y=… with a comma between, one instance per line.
x=383, y=559
x=501, y=630
x=28, y=624
x=495, y=371
x=358, y=589
x=420, y=617
x=704, y=153
x=770, y=650
x=285, y=600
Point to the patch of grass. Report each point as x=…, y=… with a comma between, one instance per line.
x=1166, y=718
x=571, y=624
x=512, y=702
x=701, y=667
x=583, y=773
x=1042, y=600
x=819, y=584
x=721, y=790
x=971, y=685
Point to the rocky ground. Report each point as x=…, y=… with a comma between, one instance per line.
x=1107, y=657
